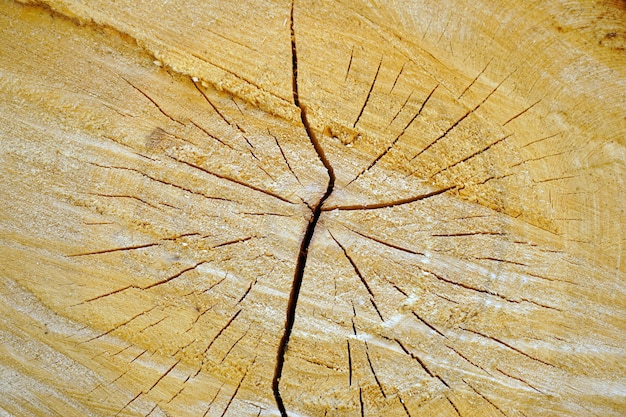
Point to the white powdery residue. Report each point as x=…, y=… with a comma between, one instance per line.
x=412, y=299
x=31, y=390
x=363, y=337
x=393, y=320
x=29, y=305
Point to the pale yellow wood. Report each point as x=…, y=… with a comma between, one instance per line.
x=158, y=180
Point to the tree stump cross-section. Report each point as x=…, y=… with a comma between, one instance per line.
x=312, y=208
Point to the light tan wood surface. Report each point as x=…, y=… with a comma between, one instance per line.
x=432, y=190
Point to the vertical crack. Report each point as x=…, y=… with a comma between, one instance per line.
x=316, y=210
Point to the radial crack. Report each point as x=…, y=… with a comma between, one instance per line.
x=356, y=269
x=309, y=231
x=386, y=151
x=390, y=203
x=369, y=93
x=467, y=114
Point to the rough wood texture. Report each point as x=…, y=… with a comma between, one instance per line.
x=428, y=197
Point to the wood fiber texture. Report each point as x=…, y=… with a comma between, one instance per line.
x=312, y=208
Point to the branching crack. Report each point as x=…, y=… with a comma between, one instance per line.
x=310, y=229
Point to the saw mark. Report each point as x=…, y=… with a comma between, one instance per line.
x=237, y=76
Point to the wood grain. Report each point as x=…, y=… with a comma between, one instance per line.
x=312, y=208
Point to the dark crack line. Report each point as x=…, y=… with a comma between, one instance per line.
x=453, y=406
x=349, y=363
x=473, y=155
x=284, y=156
x=406, y=410
x=356, y=269
x=397, y=78
x=308, y=234
x=152, y=101
x=522, y=112
x=382, y=242
x=386, y=151
x=467, y=114
x=369, y=361
x=349, y=64
x=232, y=180
x=369, y=93
x=500, y=342
x=484, y=397
x=391, y=203
x=475, y=79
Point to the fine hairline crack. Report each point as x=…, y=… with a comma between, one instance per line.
x=316, y=210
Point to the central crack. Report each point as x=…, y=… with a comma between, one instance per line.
x=308, y=234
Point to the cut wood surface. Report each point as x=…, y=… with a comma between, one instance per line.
x=317, y=208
